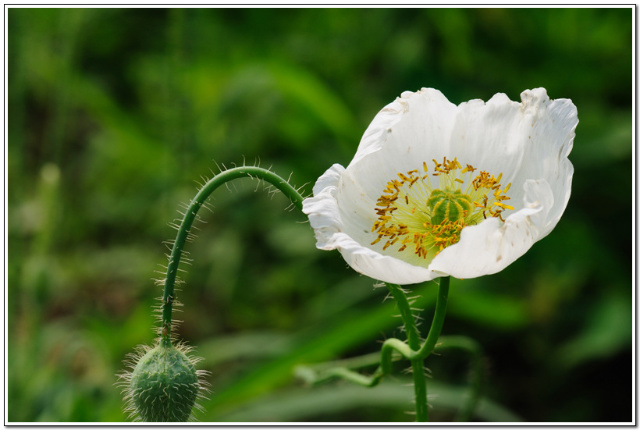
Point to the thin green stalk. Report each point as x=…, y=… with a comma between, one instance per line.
x=432, y=338
x=190, y=215
x=418, y=353
x=413, y=336
x=410, y=351
x=438, y=319
x=315, y=374
x=417, y=364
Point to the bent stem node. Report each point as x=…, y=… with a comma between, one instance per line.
x=411, y=350
x=416, y=353
x=190, y=215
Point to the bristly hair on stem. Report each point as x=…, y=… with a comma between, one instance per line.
x=191, y=214
x=161, y=383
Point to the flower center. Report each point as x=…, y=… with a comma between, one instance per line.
x=446, y=205
x=415, y=214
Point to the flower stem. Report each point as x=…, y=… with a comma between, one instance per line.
x=410, y=350
x=413, y=339
x=438, y=319
x=417, y=353
x=190, y=215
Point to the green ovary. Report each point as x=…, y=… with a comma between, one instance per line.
x=448, y=206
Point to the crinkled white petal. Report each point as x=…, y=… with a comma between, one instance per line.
x=326, y=220
x=528, y=142
x=489, y=247
x=416, y=127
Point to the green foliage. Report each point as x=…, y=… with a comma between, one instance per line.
x=115, y=112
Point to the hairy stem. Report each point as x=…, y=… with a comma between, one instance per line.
x=417, y=364
x=190, y=215
x=410, y=350
x=438, y=319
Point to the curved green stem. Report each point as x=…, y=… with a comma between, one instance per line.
x=345, y=368
x=434, y=332
x=413, y=336
x=410, y=350
x=190, y=215
x=417, y=364
x=438, y=319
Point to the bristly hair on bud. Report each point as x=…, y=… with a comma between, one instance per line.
x=162, y=384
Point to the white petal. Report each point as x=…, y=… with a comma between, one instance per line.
x=491, y=136
x=528, y=140
x=322, y=209
x=489, y=247
x=377, y=266
x=551, y=136
x=328, y=222
x=416, y=127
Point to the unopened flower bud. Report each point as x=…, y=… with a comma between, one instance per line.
x=164, y=385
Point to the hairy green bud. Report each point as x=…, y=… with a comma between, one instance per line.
x=164, y=384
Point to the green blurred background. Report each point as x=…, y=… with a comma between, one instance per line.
x=114, y=114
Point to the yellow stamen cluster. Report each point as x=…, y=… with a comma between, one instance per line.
x=411, y=215
x=484, y=181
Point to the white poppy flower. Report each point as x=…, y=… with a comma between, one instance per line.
x=437, y=189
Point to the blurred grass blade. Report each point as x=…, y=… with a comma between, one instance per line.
x=315, y=404
x=324, y=343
